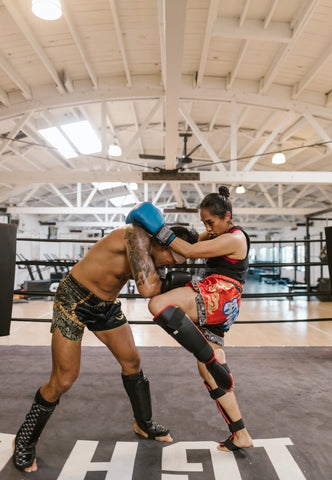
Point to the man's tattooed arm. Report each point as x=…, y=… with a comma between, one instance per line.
x=138, y=244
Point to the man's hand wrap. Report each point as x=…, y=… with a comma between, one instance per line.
x=175, y=279
x=149, y=217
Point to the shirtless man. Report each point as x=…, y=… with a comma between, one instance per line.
x=87, y=297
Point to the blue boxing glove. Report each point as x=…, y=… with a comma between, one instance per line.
x=146, y=215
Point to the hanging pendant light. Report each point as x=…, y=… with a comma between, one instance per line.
x=278, y=158
x=47, y=9
x=114, y=150
x=240, y=189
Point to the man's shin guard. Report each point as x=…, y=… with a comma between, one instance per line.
x=175, y=322
x=30, y=430
x=217, y=393
x=137, y=387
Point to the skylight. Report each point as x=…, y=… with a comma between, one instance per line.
x=108, y=185
x=123, y=200
x=55, y=138
x=83, y=136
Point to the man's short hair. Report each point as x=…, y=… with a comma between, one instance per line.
x=188, y=234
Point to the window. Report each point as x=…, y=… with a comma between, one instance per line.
x=300, y=257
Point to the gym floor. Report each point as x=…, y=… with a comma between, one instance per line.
x=284, y=332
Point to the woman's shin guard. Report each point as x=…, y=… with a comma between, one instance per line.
x=30, y=430
x=177, y=324
x=137, y=387
x=217, y=393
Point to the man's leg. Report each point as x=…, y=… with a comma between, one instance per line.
x=121, y=343
x=65, y=369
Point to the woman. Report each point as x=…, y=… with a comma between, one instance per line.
x=213, y=303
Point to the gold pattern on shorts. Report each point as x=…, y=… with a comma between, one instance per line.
x=73, y=308
x=213, y=302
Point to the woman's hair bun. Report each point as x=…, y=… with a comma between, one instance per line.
x=223, y=190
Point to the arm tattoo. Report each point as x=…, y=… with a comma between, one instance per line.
x=138, y=247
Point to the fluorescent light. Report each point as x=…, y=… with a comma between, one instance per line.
x=83, y=136
x=58, y=141
x=47, y=9
x=240, y=189
x=123, y=200
x=278, y=158
x=114, y=150
x=108, y=185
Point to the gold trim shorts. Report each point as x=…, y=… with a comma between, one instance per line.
x=75, y=308
x=218, y=303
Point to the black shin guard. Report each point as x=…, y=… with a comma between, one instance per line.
x=176, y=323
x=30, y=430
x=217, y=393
x=138, y=389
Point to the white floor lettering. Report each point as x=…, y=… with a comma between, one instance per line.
x=79, y=461
x=281, y=458
x=6, y=449
x=175, y=459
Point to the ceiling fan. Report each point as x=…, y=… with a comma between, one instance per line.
x=183, y=160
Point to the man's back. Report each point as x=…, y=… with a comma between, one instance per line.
x=105, y=268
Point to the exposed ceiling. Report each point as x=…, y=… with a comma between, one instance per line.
x=244, y=77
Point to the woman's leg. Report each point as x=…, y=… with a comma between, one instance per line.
x=228, y=406
x=176, y=312
x=183, y=297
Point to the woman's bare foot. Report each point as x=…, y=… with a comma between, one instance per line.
x=241, y=439
x=166, y=438
x=33, y=467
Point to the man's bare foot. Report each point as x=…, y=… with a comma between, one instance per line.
x=166, y=438
x=33, y=467
x=241, y=439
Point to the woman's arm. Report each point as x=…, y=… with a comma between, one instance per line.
x=203, y=236
x=138, y=246
x=233, y=245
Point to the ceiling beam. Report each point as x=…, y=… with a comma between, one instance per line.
x=213, y=10
x=175, y=17
x=13, y=75
x=27, y=32
x=79, y=44
x=299, y=24
x=126, y=210
x=201, y=138
x=119, y=37
x=244, y=92
x=69, y=176
x=14, y=131
x=267, y=142
x=252, y=30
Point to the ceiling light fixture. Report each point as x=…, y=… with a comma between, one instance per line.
x=108, y=185
x=278, y=158
x=114, y=150
x=240, y=189
x=47, y=9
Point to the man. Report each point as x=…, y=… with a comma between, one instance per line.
x=87, y=297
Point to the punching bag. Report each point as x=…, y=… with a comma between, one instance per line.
x=7, y=274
